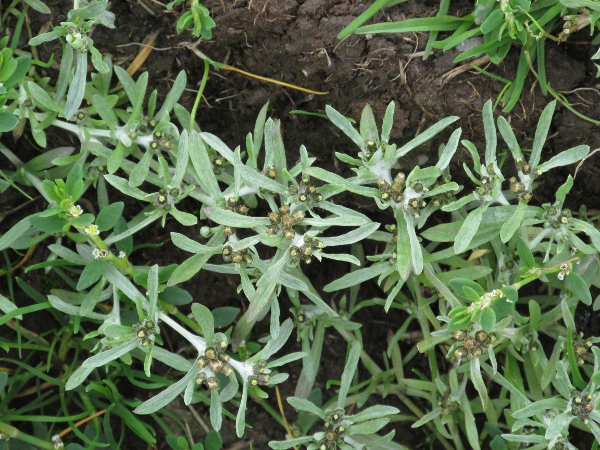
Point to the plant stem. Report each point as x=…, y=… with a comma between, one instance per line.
x=199, y=95
x=11, y=432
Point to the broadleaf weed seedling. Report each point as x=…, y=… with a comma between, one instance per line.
x=483, y=277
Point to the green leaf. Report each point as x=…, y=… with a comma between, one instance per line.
x=201, y=162
x=183, y=218
x=123, y=185
x=510, y=227
x=225, y=217
x=503, y=308
x=510, y=293
x=224, y=315
x=468, y=229
x=343, y=124
x=213, y=441
x=541, y=133
x=488, y=320
x=565, y=158
x=579, y=288
x=216, y=417
x=356, y=277
x=257, y=179
x=108, y=217
x=141, y=169
x=525, y=254
x=107, y=356
x=301, y=404
x=348, y=374
x=8, y=121
x=205, y=319
x=90, y=274
x=458, y=284
x=351, y=237
x=564, y=189
x=168, y=395
x=468, y=273
x=77, y=86
x=78, y=377
x=370, y=427
x=105, y=111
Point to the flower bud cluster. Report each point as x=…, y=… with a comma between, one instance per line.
x=284, y=219
x=271, y=173
x=259, y=375
x=393, y=228
x=392, y=192
x=217, y=361
x=486, y=187
x=217, y=164
x=305, y=252
x=448, y=406
x=371, y=148
x=146, y=126
x=581, y=405
x=413, y=207
x=80, y=117
x=519, y=189
x=77, y=38
x=473, y=344
x=96, y=172
x=301, y=317
x=444, y=198
x=581, y=348
x=334, y=429
x=145, y=331
x=530, y=342
x=166, y=198
x=235, y=206
x=555, y=217
x=526, y=169
x=161, y=141
x=236, y=256
x=573, y=23
x=306, y=192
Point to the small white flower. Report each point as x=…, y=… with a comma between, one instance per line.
x=561, y=276
x=76, y=211
x=98, y=253
x=58, y=443
x=122, y=255
x=92, y=230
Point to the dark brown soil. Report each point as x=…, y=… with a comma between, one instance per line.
x=295, y=42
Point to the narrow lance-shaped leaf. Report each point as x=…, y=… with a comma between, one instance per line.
x=165, y=397
x=344, y=124
x=565, y=158
x=351, y=365
x=152, y=291
x=541, y=133
x=491, y=140
x=205, y=319
x=307, y=406
x=225, y=217
x=77, y=86
x=468, y=229
x=105, y=357
x=200, y=160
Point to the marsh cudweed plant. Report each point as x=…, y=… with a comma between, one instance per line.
x=454, y=259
